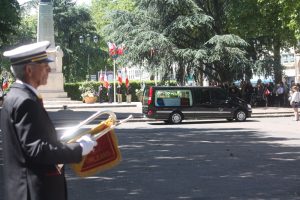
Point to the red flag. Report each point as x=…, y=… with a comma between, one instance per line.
x=120, y=76
x=105, y=81
x=120, y=50
x=5, y=84
x=112, y=48
x=126, y=80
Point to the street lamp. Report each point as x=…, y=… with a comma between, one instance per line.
x=88, y=39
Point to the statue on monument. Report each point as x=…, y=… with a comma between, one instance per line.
x=58, y=61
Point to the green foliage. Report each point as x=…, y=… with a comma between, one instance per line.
x=273, y=26
x=226, y=57
x=9, y=19
x=18, y=28
x=74, y=91
x=71, y=22
x=88, y=89
x=100, y=8
x=165, y=33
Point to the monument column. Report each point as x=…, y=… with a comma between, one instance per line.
x=55, y=85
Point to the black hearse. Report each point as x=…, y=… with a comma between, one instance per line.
x=172, y=104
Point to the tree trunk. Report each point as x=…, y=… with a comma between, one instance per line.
x=181, y=73
x=277, y=57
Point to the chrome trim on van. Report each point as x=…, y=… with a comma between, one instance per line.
x=168, y=111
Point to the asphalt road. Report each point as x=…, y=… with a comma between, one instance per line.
x=256, y=159
x=199, y=160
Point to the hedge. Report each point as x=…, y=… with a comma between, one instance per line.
x=75, y=94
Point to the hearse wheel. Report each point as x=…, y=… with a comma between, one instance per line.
x=240, y=116
x=175, y=117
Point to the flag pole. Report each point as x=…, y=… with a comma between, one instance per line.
x=114, y=80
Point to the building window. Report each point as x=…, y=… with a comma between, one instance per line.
x=284, y=58
x=291, y=58
x=287, y=58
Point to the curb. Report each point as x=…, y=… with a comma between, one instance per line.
x=75, y=106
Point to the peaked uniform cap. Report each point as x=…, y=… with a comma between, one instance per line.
x=35, y=52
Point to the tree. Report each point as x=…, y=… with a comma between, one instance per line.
x=227, y=56
x=15, y=28
x=9, y=19
x=165, y=33
x=71, y=22
x=273, y=27
x=100, y=9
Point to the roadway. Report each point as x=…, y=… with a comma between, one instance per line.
x=204, y=159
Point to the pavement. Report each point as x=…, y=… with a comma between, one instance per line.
x=135, y=108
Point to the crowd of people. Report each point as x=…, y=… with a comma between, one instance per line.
x=261, y=94
x=119, y=92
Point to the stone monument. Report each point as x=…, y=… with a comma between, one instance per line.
x=45, y=31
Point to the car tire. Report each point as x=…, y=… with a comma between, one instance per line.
x=240, y=116
x=175, y=117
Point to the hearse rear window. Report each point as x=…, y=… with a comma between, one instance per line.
x=173, y=98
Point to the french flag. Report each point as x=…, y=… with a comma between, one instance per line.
x=105, y=84
x=126, y=80
x=101, y=77
x=120, y=76
x=5, y=84
x=112, y=48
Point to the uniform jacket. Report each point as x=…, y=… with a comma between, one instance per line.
x=32, y=150
x=129, y=90
x=119, y=89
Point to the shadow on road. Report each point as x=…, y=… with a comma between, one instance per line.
x=208, y=121
x=183, y=163
x=173, y=162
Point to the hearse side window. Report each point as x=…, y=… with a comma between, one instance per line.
x=218, y=94
x=173, y=98
x=201, y=96
x=205, y=96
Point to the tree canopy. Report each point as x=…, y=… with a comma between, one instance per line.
x=222, y=40
x=9, y=19
x=162, y=34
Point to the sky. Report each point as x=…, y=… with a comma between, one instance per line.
x=77, y=1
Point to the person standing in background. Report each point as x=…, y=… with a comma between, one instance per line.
x=128, y=93
x=280, y=94
x=31, y=150
x=100, y=93
x=110, y=93
x=295, y=101
x=119, y=93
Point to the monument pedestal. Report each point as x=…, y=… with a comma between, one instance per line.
x=54, y=90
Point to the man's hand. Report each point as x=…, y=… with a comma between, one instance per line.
x=87, y=144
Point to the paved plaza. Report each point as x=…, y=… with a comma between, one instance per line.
x=197, y=160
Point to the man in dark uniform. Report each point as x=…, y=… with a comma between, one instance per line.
x=31, y=150
x=128, y=93
x=110, y=93
x=119, y=92
x=100, y=93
